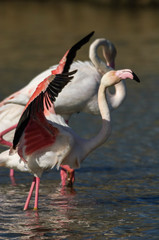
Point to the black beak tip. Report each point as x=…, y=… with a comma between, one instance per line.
x=135, y=77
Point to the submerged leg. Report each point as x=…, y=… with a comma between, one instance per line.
x=30, y=194
x=11, y=172
x=67, y=175
x=12, y=177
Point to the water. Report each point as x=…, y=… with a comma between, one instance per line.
x=116, y=193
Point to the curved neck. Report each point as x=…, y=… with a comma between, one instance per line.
x=115, y=99
x=95, y=59
x=105, y=130
x=109, y=53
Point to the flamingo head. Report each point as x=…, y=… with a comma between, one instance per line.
x=67, y=175
x=113, y=77
x=109, y=53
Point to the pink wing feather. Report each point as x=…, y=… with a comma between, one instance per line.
x=38, y=135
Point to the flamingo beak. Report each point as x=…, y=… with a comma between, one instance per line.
x=112, y=65
x=135, y=77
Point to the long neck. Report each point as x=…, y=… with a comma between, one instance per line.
x=105, y=130
x=95, y=59
x=115, y=99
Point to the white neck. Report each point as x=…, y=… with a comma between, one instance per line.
x=95, y=59
x=105, y=130
x=114, y=100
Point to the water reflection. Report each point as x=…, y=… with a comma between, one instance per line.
x=125, y=202
x=53, y=216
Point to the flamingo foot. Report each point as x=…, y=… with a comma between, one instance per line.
x=67, y=176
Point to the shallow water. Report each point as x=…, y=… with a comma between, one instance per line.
x=116, y=193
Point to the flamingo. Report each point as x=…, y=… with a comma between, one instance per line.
x=83, y=90
x=43, y=141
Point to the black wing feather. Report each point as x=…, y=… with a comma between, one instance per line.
x=72, y=52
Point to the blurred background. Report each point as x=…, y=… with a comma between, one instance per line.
x=116, y=193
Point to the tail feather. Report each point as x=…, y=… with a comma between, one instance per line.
x=12, y=161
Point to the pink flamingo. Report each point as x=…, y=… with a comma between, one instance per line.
x=83, y=90
x=43, y=141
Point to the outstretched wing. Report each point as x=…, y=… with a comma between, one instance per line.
x=48, y=89
x=42, y=98
x=37, y=135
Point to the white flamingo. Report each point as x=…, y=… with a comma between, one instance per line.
x=83, y=91
x=43, y=142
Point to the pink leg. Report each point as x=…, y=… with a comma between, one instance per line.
x=4, y=142
x=67, y=175
x=12, y=177
x=30, y=194
x=37, y=193
x=11, y=172
x=63, y=175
